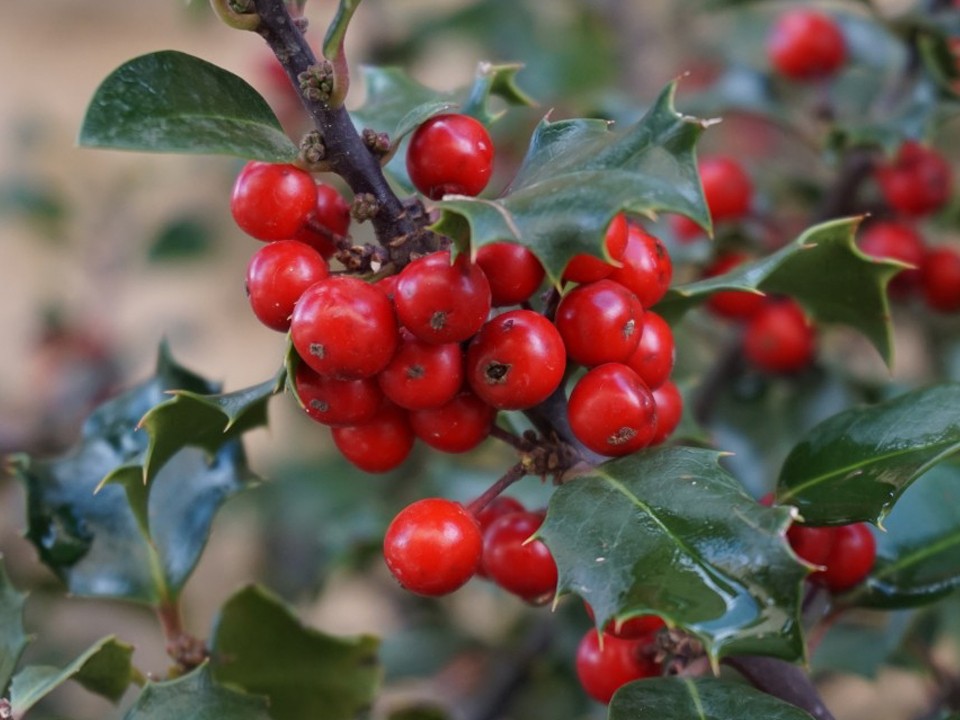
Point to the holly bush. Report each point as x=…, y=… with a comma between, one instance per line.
x=629, y=385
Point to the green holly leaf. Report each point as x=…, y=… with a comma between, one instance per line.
x=259, y=645
x=13, y=640
x=577, y=175
x=855, y=465
x=740, y=88
x=822, y=269
x=96, y=523
x=198, y=697
x=104, y=669
x=667, y=531
x=918, y=558
x=169, y=101
x=697, y=699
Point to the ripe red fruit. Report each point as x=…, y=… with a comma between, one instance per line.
x=433, y=546
x=895, y=241
x=344, y=327
x=333, y=402
x=635, y=628
x=611, y=411
x=646, y=269
x=277, y=275
x=654, y=356
x=584, y=268
x=526, y=569
x=516, y=360
x=779, y=338
x=378, y=445
x=450, y=154
x=422, y=375
x=604, y=669
x=330, y=216
x=850, y=559
x=669, y=404
x=940, y=279
x=272, y=201
x=513, y=271
x=599, y=322
x=726, y=186
x=732, y=304
x=456, y=427
x=813, y=544
x=496, y=508
x=684, y=229
x=805, y=44
x=918, y=181
x=440, y=302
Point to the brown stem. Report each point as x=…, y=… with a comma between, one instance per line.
x=509, y=438
x=185, y=649
x=783, y=680
x=509, y=478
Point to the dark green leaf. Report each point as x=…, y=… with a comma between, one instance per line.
x=667, y=531
x=140, y=544
x=196, y=696
x=13, y=640
x=824, y=270
x=169, y=101
x=577, y=175
x=104, y=669
x=260, y=646
x=918, y=558
x=181, y=238
x=855, y=465
x=697, y=699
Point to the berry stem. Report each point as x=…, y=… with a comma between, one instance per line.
x=509, y=478
x=511, y=439
x=783, y=680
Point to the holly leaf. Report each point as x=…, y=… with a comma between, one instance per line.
x=822, y=269
x=855, y=465
x=99, y=527
x=260, y=646
x=104, y=669
x=697, y=699
x=918, y=558
x=169, y=101
x=577, y=175
x=13, y=640
x=198, y=697
x=740, y=89
x=668, y=532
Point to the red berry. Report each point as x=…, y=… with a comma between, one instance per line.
x=813, y=544
x=606, y=664
x=635, y=628
x=496, y=508
x=779, y=338
x=378, y=445
x=333, y=402
x=456, y=427
x=851, y=557
x=726, y=186
x=611, y=411
x=684, y=229
x=433, y=546
x=422, y=375
x=526, y=569
x=516, y=360
x=895, y=241
x=669, y=404
x=805, y=44
x=277, y=275
x=732, y=304
x=513, y=271
x=330, y=217
x=940, y=279
x=440, y=302
x=646, y=269
x=918, y=181
x=272, y=201
x=599, y=322
x=344, y=327
x=654, y=355
x=584, y=268
x=450, y=154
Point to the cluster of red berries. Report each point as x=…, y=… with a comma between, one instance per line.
x=620, y=653
x=915, y=183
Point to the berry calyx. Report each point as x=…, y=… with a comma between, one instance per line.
x=605, y=664
x=433, y=546
x=612, y=411
x=917, y=182
x=450, y=154
x=513, y=271
x=277, y=275
x=599, y=322
x=779, y=338
x=526, y=569
x=272, y=201
x=805, y=44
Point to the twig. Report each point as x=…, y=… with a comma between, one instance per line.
x=509, y=478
